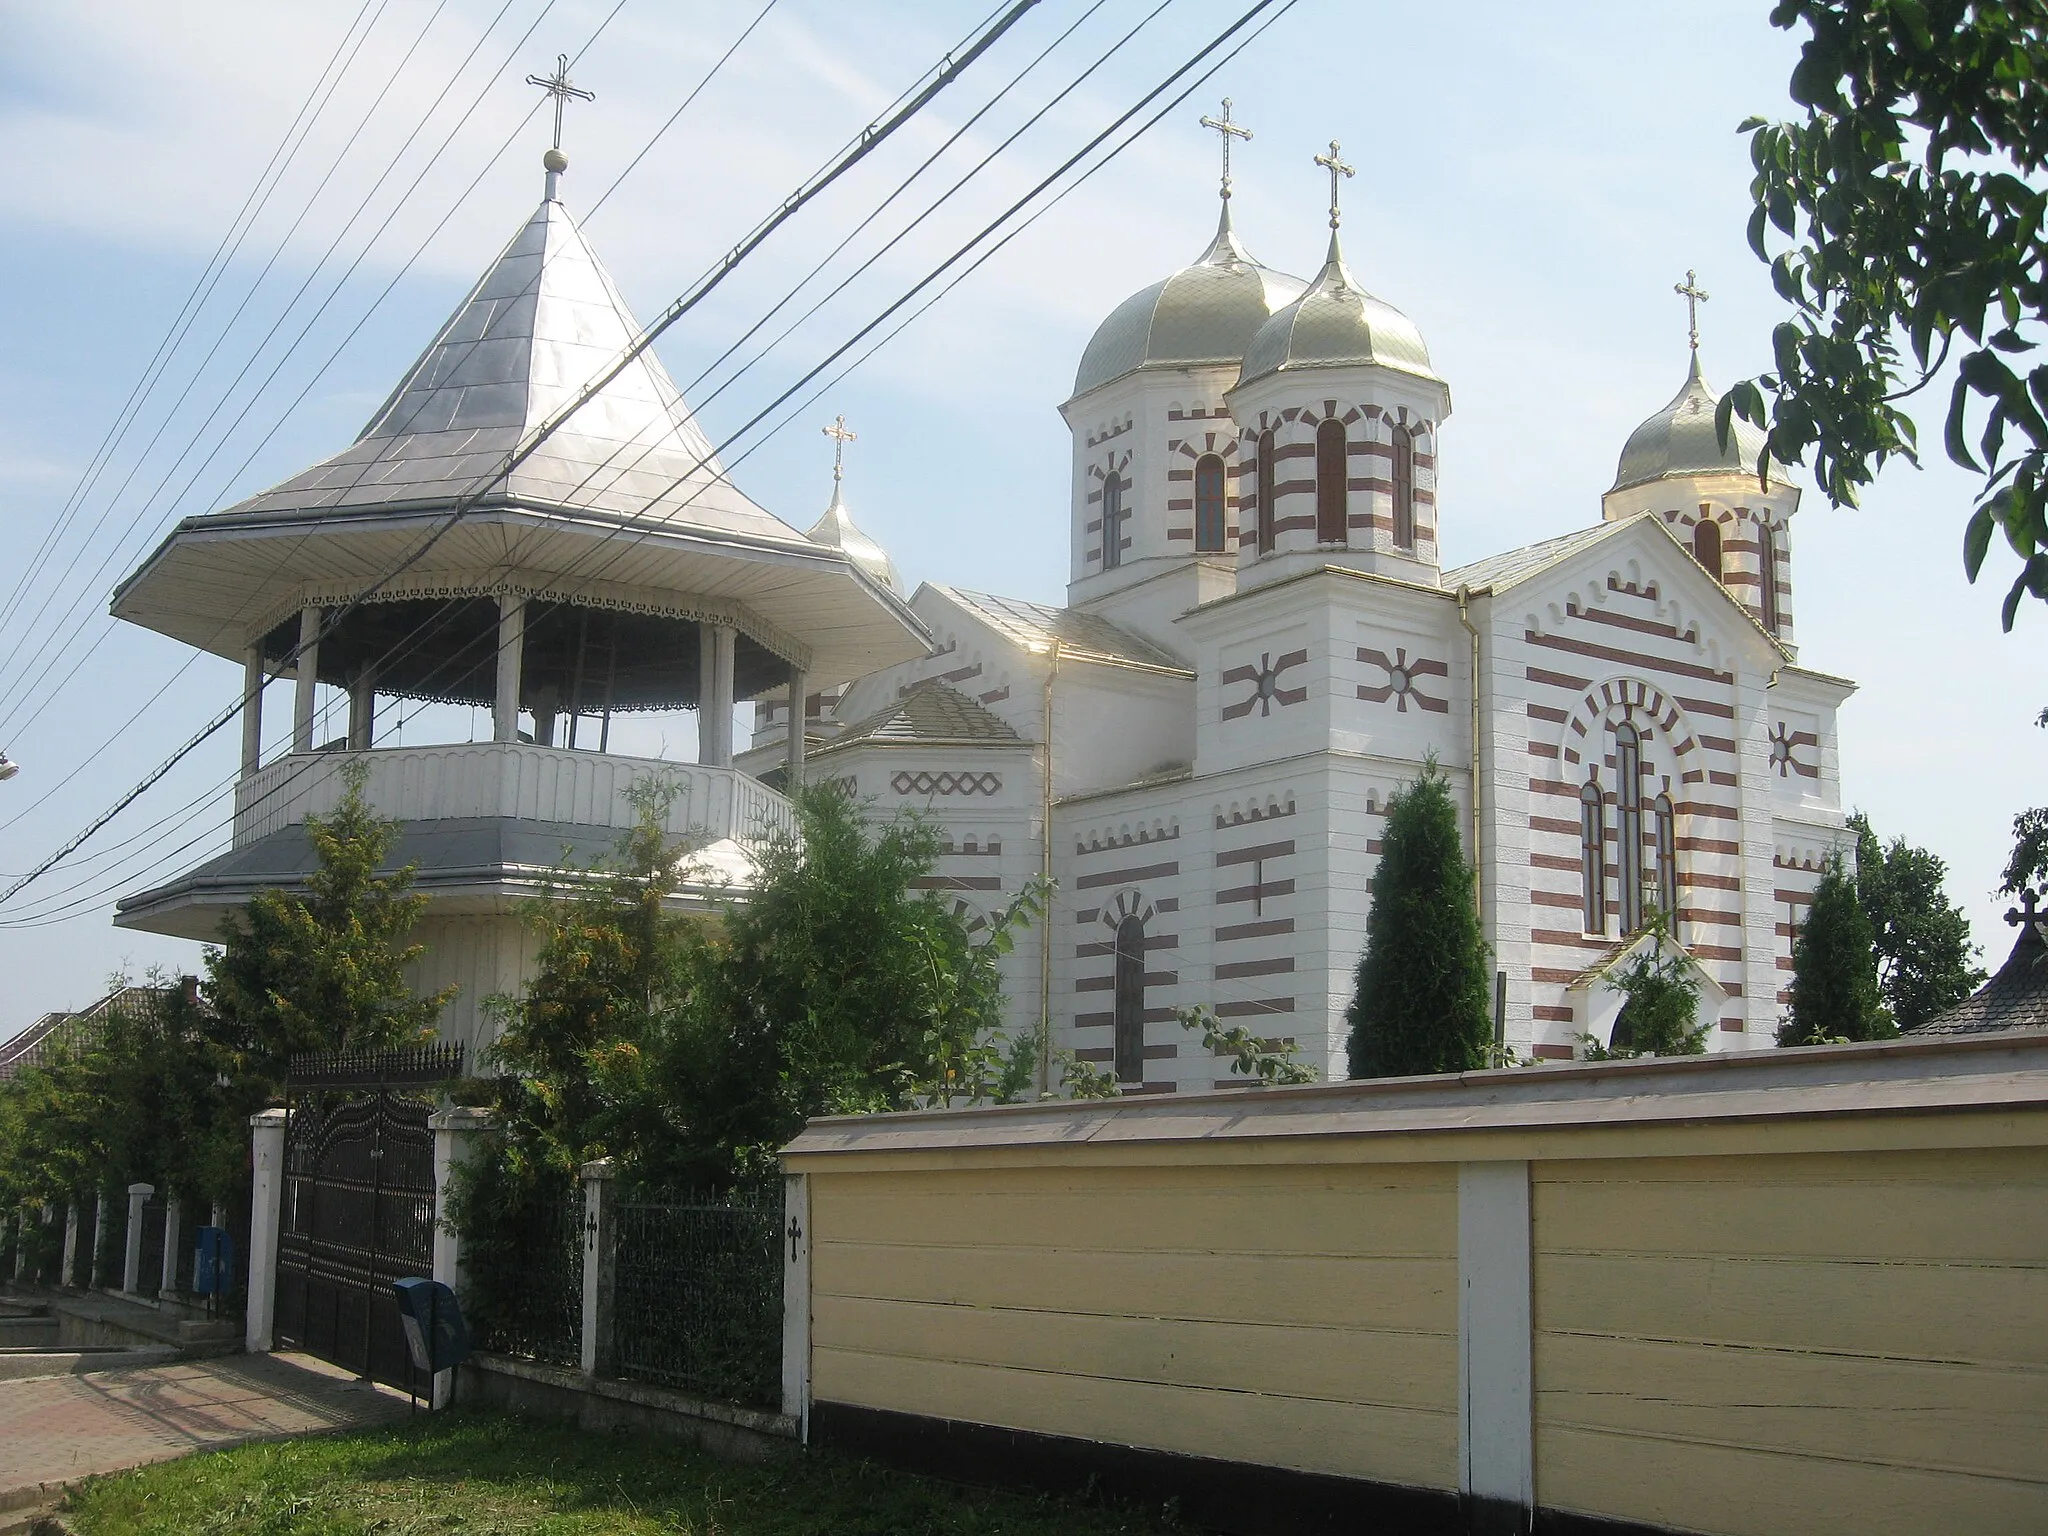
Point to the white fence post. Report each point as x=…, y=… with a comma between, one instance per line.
x=457, y=1138
x=1496, y=1399
x=93, y=1277
x=131, y=1248
x=600, y=1268
x=167, y=1287
x=67, y=1275
x=796, y=1300
x=266, y=1148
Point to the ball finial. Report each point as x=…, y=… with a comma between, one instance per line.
x=554, y=160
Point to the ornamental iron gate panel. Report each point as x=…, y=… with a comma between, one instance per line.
x=358, y=1202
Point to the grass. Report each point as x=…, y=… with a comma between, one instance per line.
x=491, y=1475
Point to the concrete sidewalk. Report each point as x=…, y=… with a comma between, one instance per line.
x=56, y=1429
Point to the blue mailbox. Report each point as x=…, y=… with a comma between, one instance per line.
x=213, y=1262
x=434, y=1330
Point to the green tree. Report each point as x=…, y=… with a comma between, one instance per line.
x=1925, y=960
x=836, y=987
x=1835, y=995
x=325, y=971
x=1660, y=1004
x=1909, y=206
x=1421, y=1003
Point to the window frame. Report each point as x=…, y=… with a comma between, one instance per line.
x=1707, y=530
x=1404, y=486
x=1593, y=856
x=1767, y=575
x=1127, y=1006
x=1333, y=477
x=1112, y=519
x=1628, y=817
x=1268, y=492
x=1665, y=818
x=1213, y=519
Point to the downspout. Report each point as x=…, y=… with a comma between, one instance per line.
x=1478, y=793
x=1045, y=874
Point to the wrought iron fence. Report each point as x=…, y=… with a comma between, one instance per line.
x=699, y=1299
x=535, y=1292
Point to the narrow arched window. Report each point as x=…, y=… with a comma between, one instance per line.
x=1767, y=573
x=1593, y=855
x=1404, y=488
x=1112, y=521
x=1628, y=807
x=1666, y=818
x=1268, y=490
x=1211, y=524
x=1130, y=1000
x=1706, y=545
x=1333, y=498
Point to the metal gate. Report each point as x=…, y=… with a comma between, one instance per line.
x=358, y=1202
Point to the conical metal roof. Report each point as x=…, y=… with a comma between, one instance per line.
x=836, y=530
x=1680, y=441
x=545, y=320
x=1200, y=317
x=1336, y=324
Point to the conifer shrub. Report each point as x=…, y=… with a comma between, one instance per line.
x=1421, y=1002
x=1835, y=996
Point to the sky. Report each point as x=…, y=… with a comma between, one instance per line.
x=1532, y=181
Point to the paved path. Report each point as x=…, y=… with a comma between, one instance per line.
x=57, y=1428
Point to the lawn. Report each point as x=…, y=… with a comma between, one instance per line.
x=491, y=1475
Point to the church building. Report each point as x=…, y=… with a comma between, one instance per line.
x=1260, y=645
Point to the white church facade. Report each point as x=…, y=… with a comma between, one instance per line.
x=1260, y=645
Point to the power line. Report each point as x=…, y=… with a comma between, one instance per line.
x=949, y=71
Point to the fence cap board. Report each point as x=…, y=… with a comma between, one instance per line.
x=1995, y=1073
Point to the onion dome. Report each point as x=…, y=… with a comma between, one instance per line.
x=1337, y=324
x=1680, y=441
x=1201, y=317
x=836, y=530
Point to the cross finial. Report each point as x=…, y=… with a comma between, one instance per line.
x=2030, y=901
x=1333, y=162
x=557, y=85
x=841, y=436
x=1228, y=130
x=1694, y=296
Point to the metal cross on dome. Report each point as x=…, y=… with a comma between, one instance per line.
x=1333, y=162
x=841, y=435
x=557, y=85
x=1229, y=130
x=1694, y=296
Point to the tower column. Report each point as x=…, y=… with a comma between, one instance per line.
x=511, y=655
x=362, y=710
x=254, y=676
x=308, y=679
x=714, y=695
x=793, y=774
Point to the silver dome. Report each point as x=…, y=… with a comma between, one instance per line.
x=1337, y=324
x=1680, y=440
x=836, y=531
x=1202, y=316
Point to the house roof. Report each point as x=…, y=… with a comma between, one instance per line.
x=1081, y=636
x=930, y=713
x=2016, y=998
x=1496, y=573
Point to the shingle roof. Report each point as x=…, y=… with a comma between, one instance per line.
x=930, y=713
x=1082, y=636
x=2016, y=998
x=1498, y=572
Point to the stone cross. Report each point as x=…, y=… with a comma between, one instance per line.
x=840, y=436
x=1334, y=163
x=557, y=85
x=1694, y=296
x=2031, y=902
x=1229, y=130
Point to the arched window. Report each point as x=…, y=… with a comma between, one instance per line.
x=1706, y=545
x=1666, y=818
x=1333, y=499
x=1130, y=1000
x=1404, y=488
x=1593, y=855
x=1767, y=572
x=1628, y=805
x=1211, y=524
x=1267, y=491
x=1112, y=521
